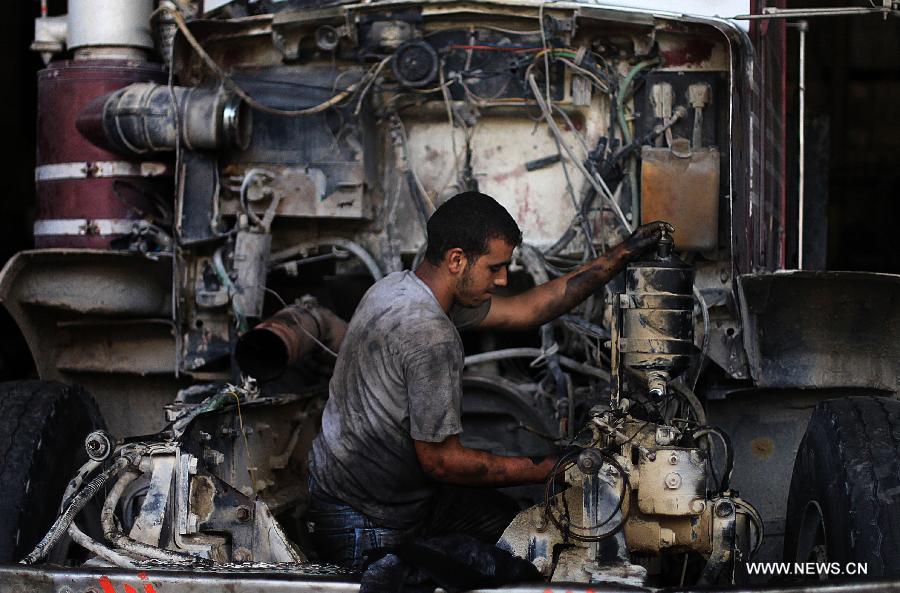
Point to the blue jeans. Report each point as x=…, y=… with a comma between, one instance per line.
x=342, y=535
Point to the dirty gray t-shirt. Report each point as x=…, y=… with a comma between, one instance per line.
x=397, y=379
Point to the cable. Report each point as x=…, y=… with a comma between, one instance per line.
x=249, y=175
x=78, y=502
x=757, y=520
x=705, y=431
x=535, y=353
x=623, y=91
x=98, y=549
x=228, y=81
x=704, y=348
x=598, y=183
x=355, y=248
x=692, y=400
x=225, y=279
x=568, y=527
x=249, y=460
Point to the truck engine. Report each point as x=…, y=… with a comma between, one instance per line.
x=218, y=189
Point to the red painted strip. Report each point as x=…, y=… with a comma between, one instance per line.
x=107, y=585
x=130, y=589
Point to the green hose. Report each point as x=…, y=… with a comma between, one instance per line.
x=623, y=93
x=626, y=134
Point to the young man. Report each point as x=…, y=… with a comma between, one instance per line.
x=388, y=463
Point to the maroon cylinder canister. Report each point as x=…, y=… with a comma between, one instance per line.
x=86, y=195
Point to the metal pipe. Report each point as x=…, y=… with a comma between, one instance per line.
x=792, y=13
x=803, y=27
x=287, y=337
x=98, y=549
x=535, y=353
x=351, y=246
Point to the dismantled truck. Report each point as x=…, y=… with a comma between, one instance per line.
x=216, y=190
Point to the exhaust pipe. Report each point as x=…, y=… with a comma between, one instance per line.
x=287, y=337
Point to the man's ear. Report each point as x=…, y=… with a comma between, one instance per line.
x=456, y=260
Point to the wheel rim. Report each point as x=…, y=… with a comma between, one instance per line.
x=812, y=543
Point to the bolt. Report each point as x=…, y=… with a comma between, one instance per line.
x=724, y=509
x=673, y=459
x=673, y=480
x=243, y=514
x=98, y=445
x=698, y=506
x=651, y=456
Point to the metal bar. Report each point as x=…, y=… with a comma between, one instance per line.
x=803, y=27
x=90, y=170
x=792, y=13
x=29, y=579
x=83, y=226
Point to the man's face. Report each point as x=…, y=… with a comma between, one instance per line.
x=482, y=277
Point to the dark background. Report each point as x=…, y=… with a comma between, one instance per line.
x=853, y=138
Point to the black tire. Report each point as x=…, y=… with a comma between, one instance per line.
x=844, y=501
x=42, y=430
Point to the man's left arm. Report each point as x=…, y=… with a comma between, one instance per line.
x=548, y=301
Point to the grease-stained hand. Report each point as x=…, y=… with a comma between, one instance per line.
x=645, y=236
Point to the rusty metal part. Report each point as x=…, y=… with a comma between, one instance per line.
x=286, y=337
x=682, y=188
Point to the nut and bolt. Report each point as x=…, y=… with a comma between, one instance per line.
x=242, y=514
x=698, y=506
x=673, y=459
x=724, y=509
x=98, y=445
x=673, y=480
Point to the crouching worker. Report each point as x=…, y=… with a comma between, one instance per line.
x=388, y=464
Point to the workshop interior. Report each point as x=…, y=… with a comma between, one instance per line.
x=213, y=190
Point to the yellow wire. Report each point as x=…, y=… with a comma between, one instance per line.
x=237, y=400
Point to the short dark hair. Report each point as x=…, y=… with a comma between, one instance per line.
x=468, y=221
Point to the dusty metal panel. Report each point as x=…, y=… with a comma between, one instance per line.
x=822, y=329
x=101, y=319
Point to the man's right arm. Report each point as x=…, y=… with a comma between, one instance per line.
x=450, y=462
